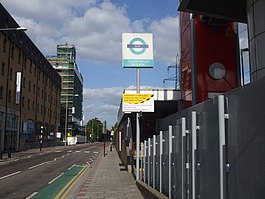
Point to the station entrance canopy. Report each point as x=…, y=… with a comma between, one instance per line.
x=234, y=10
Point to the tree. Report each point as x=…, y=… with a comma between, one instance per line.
x=94, y=129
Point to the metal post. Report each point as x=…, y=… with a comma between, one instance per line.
x=193, y=62
x=66, y=120
x=169, y=161
x=104, y=133
x=221, y=121
x=194, y=147
x=145, y=143
x=85, y=135
x=119, y=140
x=183, y=132
x=137, y=127
x=149, y=162
x=154, y=161
x=160, y=161
x=142, y=160
x=41, y=133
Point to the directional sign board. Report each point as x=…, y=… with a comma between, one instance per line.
x=137, y=50
x=138, y=103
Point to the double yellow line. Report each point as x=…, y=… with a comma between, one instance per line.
x=68, y=187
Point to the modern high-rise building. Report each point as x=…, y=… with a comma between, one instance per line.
x=29, y=91
x=72, y=89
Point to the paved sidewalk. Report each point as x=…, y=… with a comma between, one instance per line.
x=108, y=179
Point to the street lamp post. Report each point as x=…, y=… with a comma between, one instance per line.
x=7, y=85
x=14, y=29
x=66, y=119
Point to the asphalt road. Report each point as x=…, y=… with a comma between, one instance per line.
x=28, y=176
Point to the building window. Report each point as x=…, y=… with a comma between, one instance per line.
x=30, y=66
x=42, y=94
x=3, y=69
x=9, y=95
x=25, y=61
x=24, y=82
x=4, y=44
x=41, y=110
x=38, y=107
x=33, y=106
x=35, y=70
x=34, y=88
x=11, y=73
x=23, y=99
x=29, y=85
x=12, y=50
x=28, y=103
x=1, y=92
x=19, y=58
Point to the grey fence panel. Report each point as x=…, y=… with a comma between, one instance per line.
x=188, y=156
x=146, y=163
x=246, y=142
x=157, y=165
x=151, y=163
x=243, y=151
x=165, y=164
x=208, y=150
x=176, y=162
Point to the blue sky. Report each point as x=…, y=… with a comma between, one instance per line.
x=95, y=28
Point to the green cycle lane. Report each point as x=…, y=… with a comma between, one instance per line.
x=58, y=187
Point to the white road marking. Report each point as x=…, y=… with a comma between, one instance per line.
x=38, y=165
x=87, y=151
x=71, y=167
x=12, y=174
x=32, y=195
x=55, y=178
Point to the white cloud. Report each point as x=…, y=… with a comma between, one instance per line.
x=102, y=103
x=166, y=39
x=95, y=28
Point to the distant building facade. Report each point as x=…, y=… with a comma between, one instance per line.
x=29, y=91
x=72, y=89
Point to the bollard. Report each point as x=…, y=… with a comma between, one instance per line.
x=9, y=153
x=110, y=147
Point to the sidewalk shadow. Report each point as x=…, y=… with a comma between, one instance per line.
x=123, y=168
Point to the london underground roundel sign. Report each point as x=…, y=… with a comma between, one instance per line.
x=137, y=50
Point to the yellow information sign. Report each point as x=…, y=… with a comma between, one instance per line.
x=136, y=98
x=138, y=102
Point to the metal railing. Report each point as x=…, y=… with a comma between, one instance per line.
x=215, y=149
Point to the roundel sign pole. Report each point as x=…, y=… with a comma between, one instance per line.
x=137, y=52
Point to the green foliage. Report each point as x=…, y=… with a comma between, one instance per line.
x=94, y=128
